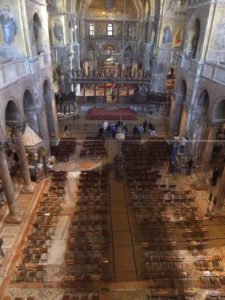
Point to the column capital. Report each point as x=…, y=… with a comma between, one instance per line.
x=214, y=125
x=4, y=145
x=178, y=97
x=17, y=126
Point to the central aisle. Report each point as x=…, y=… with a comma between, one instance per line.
x=124, y=261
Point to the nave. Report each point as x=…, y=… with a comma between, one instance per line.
x=94, y=231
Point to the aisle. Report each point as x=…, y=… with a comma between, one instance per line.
x=124, y=264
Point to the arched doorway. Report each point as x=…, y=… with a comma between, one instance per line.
x=193, y=39
x=218, y=118
x=30, y=114
x=38, y=34
x=111, y=67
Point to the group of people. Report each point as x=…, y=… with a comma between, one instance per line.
x=145, y=128
x=109, y=129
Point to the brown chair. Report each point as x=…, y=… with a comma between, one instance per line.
x=66, y=297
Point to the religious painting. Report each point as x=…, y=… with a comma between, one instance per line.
x=58, y=30
x=109, y=4
x=167, y=35
x=9, y=26
x=220, y=35
x=177, y=7
x=179, y=38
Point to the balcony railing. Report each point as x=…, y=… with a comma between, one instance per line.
x=14, y=70
x=214, y=72
x=110, y=37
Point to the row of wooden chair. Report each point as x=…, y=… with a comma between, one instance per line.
x=38, y=242
x=85, y=256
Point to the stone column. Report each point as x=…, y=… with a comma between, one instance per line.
x=84, y=89
x=95, y=89
x=105, y=93
x=14, y=216
x=175, y=114
x=220, y=193
x=128, y=90
x=201, y=183
x=117, y=91
x=28, y=188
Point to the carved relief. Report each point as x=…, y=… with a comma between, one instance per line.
x=220, y=35
x=167, y=36
x=9, y=26
x=58, y=30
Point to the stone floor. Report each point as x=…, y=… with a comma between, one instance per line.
x=125, y=251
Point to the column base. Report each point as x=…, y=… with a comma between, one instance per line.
x=29, y=189
x=200, y=185
x=14, y=219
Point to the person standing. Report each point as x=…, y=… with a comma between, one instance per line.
x=2, y=254
x=215, y=176
x=145, y=125
x=189, y=167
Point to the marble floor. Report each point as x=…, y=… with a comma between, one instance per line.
x=125, y=248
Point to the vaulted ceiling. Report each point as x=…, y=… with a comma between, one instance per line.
x=134, y=9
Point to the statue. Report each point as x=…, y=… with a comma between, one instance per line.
x=220, y=35
x=167, y=36
x=58, y=30
x=9, y=27
x=109, y=4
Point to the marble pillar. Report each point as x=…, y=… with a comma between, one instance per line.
x=105, y=97
x=201, y=183
x=175, y=114
x=14, y=215
x=28, y=188
x=220, y=193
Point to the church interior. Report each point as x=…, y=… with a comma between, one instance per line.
x=112, y=153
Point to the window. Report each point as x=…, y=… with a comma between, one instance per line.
x=129, y=30
x=91, y=30
x=110, y=29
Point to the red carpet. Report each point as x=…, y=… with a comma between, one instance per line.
x=104, y=114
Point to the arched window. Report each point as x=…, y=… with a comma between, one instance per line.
x=194, y=39
x=129, y=30
x=91, y=29
x=109, y=49
x=39, y=35
x=109, y=29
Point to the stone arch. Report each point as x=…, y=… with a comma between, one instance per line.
x=12, y=113
x=30, y=114
x=110, y=48
x=39, y=34
x=218, y=111
x=193, y=38
x=182, y=89
x=13, y=117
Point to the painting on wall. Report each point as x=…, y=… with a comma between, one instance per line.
x=58, y=30
x=9, y=25
x=12, y=42
x=220, y=35
x=179, y=38
x=167, y=35
x=177, y=7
